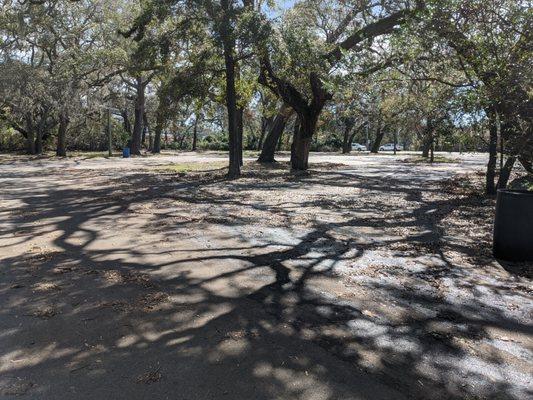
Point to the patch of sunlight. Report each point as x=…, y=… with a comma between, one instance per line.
x=30, y=357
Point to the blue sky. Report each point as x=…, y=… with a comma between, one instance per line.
x=281, y=5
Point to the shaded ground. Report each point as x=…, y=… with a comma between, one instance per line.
x=368, y=278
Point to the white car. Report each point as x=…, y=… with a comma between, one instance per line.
x=358, y=147
x=390, y=147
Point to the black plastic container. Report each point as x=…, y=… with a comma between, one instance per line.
x=513, y=225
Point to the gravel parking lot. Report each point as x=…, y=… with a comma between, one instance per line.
x=370, y=277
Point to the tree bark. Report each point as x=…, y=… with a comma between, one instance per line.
x=379, y=137
x=346, y=145
x=157, y=139
x=30, y=142
x=295, y=133
x=39, y=143
x=280, y=141
x=266, y=123
x=274, y=133
x=490, y=187
x=195, y=133
x=505, y=172
x=39, y=137
x=300, y=149
x=139, y=117
x=234, y=169
x=426, y=147
x=30, y=135
x=303, y=136
x=160, y=121
x=61, y=150
x=348, y=138
x=427, y=143
x=126, y=121
x=145, y=129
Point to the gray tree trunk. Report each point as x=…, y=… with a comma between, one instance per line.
x=490, y=187
x=61, y=150
x=274, y=133
x=139, y=117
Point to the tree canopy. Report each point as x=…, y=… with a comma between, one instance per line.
x=234, y=75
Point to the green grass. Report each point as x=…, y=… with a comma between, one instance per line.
x=423, y=160
x=92, y=154
x=191, y=167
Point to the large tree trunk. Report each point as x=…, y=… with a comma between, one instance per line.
x=30, y=142
x=39, y=137
x=274, y=133
x=139, y=118
x=301, y=144
x=126, y=121
x=39, y=143
x=505, y=173
x=347, y=140
x=234, y=169
x=30, y=135
x=427, y=143
x=145, y=129
x=61, y=150
x=157, y=139
x=379, y=137
x=300, y=151
x=160, y=122
x=280, y=142
x=266, y=123
x=296, y=132
x=426, y=147
x=490, y=187
x=346, y=145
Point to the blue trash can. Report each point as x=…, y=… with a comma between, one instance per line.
x=126, y=152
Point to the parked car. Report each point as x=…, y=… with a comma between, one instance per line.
x=390, y=147
x=358, y=147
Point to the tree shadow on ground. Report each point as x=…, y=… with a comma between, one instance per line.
x=250, y=319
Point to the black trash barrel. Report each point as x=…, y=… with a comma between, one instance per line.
x=513, y=225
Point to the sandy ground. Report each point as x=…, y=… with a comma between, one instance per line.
x=371, y=277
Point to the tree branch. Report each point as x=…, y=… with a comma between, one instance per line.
x=372, y=30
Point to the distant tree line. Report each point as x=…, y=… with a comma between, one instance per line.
x=241, y=74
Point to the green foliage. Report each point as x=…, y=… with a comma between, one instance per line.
x=522, y=183
x=10, y=140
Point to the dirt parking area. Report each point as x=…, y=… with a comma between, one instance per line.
x=370, y=277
